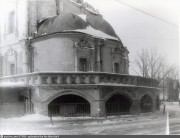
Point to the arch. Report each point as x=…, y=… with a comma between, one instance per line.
x=148, y=94
x=118, y=104
x=109, y=95
x=69, y=105
x=67, y=92
x=146, y=103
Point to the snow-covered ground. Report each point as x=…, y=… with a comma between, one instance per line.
x=150, y=124
x=174, y=118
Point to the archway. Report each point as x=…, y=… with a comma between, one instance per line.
x=69, y=105
x=118, y=104
x=157, y=103
x=146, y=104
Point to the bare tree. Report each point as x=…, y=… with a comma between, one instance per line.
x=151, y=64
x=141, y=63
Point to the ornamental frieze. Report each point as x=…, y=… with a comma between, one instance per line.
x=71, y=86
x=119, y=52
x=83, y=44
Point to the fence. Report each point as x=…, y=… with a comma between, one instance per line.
x=69, y=109
x=118, y=108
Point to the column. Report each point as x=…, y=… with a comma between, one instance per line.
x=32, y=17
x=41, y=108
x=98, y=108
x=153, y=105
x=98, y=60
x=25, y=59
x=76, y=56
x=135, y=108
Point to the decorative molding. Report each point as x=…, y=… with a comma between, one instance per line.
x=11, y=52
x=71, y=86
x=117, y=51
x=83, y=49
x=83, y=44
x=120, y=51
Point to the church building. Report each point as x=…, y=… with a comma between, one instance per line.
x=62, y=58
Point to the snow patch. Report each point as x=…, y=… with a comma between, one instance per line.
x=34, y=117
x=11, y=84
x=76, y=3
x=82, y=16
x=39, y=117
x=97, y=33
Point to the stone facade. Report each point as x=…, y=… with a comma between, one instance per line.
x=39, y=69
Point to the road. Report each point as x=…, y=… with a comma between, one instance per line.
x=144, y=124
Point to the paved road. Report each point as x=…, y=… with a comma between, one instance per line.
x=145, y=124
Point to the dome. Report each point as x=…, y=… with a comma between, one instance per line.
x=93, y=25
x=98, y=23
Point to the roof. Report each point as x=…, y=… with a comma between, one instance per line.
x=90, y=24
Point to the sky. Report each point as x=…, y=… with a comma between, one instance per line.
x=144, y=24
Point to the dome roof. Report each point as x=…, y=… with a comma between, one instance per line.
x=91, y=24
x=98, y=23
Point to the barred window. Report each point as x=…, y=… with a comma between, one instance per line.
x=83, y=64
x=12, y=69
x=116, y=67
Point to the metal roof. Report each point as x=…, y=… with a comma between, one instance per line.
x=91, y=24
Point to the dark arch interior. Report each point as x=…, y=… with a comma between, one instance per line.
x=69, y=105
x=146, y=104
x=118, y=104
x=22, y=98
x=157, y=103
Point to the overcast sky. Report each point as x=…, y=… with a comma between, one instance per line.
x=138, y=30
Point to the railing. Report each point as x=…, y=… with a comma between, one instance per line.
x=118, y=108
x=69, y=109
x=80, y=78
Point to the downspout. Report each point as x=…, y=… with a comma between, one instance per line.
x=30, y=56
x=30, y=103
x=101, y=55
x=99, y=45
x=98, y=57
x=57, y=7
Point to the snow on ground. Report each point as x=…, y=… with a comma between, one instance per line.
x=174, y=118
x=149, y=123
